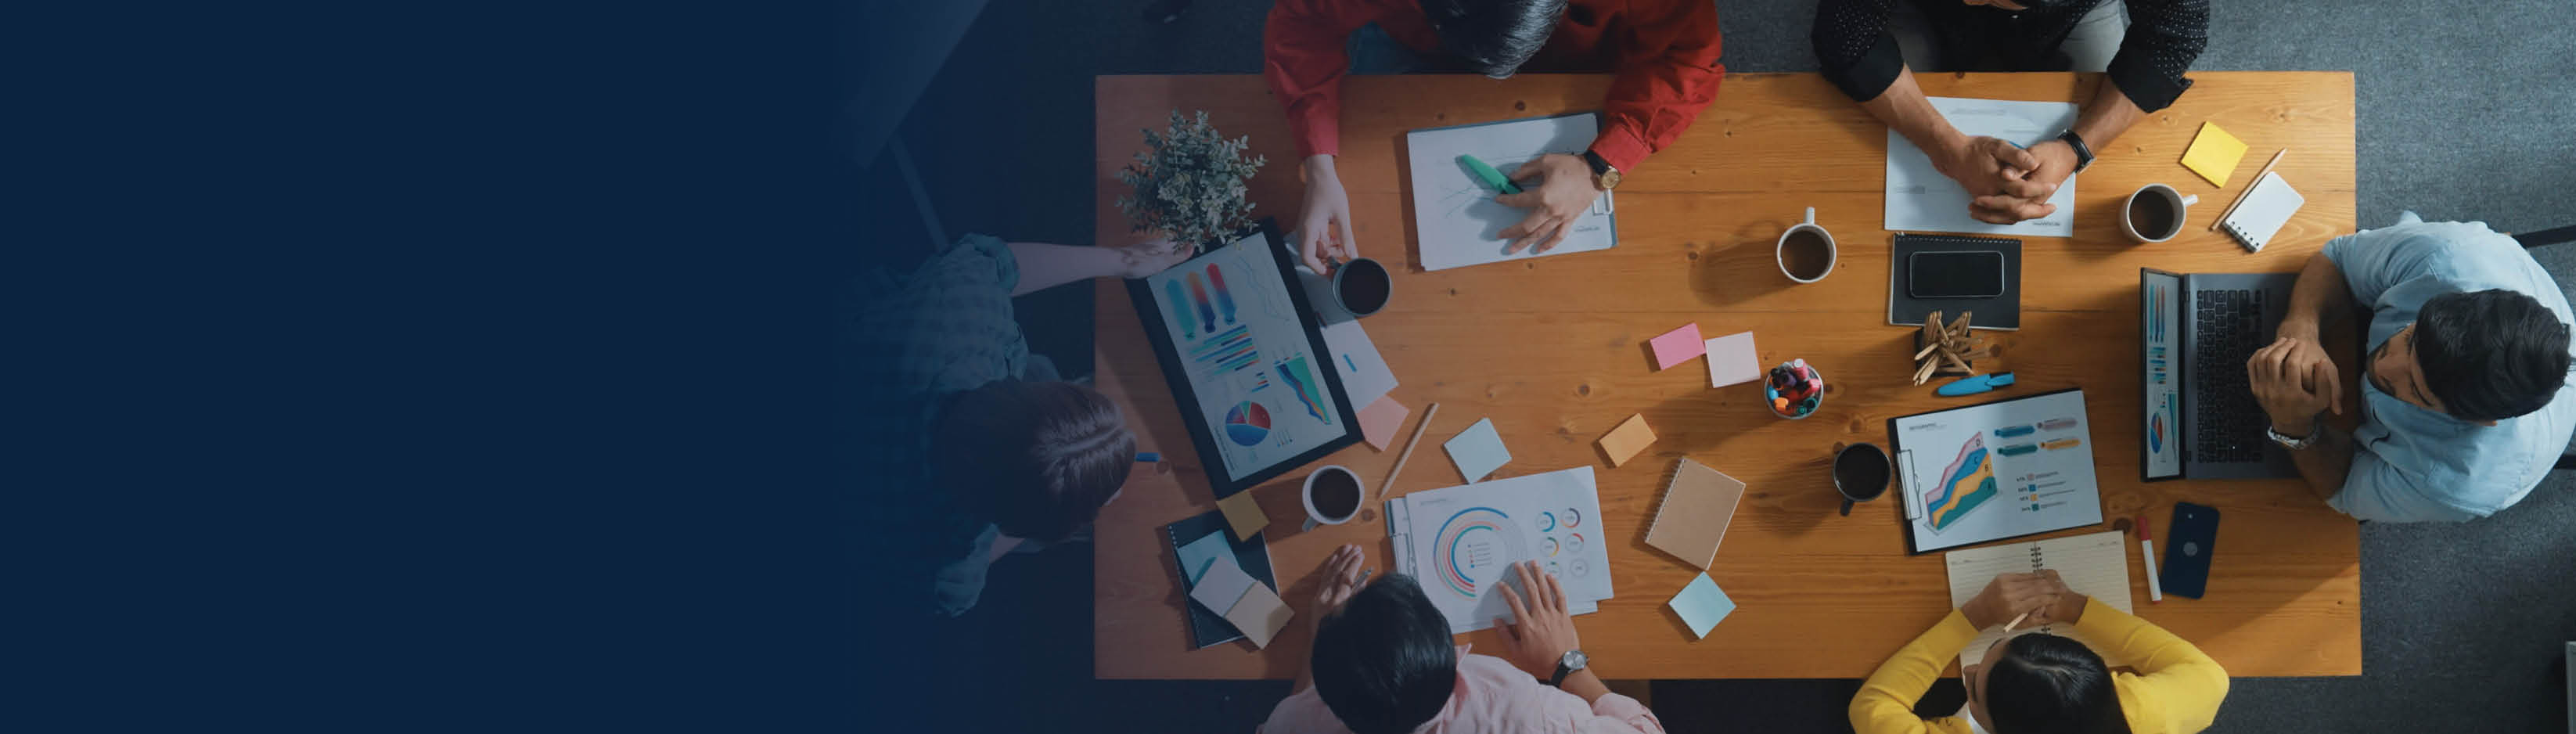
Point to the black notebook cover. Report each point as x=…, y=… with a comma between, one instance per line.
x=2001, y=312
x=1206, y=628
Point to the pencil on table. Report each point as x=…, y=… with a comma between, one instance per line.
x=1391, y=474
x=2249, y=189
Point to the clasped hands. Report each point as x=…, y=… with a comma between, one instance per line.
x=2294, y=381
x=2036, y=598
x=2006, y=183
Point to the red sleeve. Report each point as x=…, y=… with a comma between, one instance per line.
x=1668, y=72
x=1303, y=60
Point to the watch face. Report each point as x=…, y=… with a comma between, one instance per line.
x=1573, y=660
x=1609, y=179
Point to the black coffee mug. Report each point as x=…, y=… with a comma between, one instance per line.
x=1861, y=473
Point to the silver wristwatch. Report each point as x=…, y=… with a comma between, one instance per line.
x=2293, y=444
x=1573, y=660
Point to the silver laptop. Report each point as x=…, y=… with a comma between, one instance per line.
x=2195, y=333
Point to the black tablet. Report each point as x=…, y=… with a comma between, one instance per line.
x=1246, y=360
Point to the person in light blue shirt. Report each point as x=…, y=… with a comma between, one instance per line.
x=2465, y=393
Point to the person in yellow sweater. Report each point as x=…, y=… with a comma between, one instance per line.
x=2037, y=683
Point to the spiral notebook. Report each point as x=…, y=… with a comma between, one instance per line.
x=1698, y=504
x=1209, y=628
x=2254, y=222
x=2095, y=565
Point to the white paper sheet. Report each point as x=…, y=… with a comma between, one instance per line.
x=1920, y=199
x=1459, y=542
x=1365, y=377
x=1455, y=214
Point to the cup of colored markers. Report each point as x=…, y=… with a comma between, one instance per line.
x=1793, y=390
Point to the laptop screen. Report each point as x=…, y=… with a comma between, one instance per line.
x=2160, y=336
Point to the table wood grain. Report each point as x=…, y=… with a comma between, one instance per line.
x=1552, y=350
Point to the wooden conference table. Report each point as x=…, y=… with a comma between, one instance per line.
x=1550, y=349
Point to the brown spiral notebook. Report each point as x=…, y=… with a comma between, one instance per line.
x=1691, y=519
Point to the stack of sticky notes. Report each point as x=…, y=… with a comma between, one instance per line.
x=1478, y=451
x=1676, y=346
x=1221, y=585
x=1379, y=420
x=1701, y=604
x=1731, y=360
x=1243, y=514
x=1623, y=443
x=2213, y=154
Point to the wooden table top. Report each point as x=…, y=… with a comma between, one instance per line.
x=1551, y=350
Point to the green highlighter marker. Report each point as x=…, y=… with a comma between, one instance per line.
x=1492, y=177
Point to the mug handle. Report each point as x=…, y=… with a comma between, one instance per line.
x=1310, y=521
x=1811, y=215
x=1847, y=505
x=2190, y=199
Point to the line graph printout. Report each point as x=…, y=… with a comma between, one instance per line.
x=1460, y=542
x=1920, y=199
x=1454, y=213
x=1996, y=470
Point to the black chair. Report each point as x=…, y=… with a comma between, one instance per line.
x=2551, y=237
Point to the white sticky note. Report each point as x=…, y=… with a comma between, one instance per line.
x=1478, y=451
x=1221, y=585
x=1364, y=374
x=1731, y=360
x=1199, y=553
x=1701, y=605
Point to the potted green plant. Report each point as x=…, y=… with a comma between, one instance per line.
x=1188, y=184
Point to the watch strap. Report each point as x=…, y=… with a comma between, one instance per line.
x=1558, y=678
x=1599, y=164
x=1562, y=669
x=2083, y=153
x=2293, y=444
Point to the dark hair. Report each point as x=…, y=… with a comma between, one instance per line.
x=1035, y=458
x=2051, y=684
x=2490, y=355
x=1383, y=662
x=1494, y=36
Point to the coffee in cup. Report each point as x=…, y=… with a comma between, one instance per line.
x=2155, y=213
x=1332, y=496
x=1358, y=287
x=1806, y=251
x=1861, y=472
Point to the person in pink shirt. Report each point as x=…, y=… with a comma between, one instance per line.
x=1383, y=664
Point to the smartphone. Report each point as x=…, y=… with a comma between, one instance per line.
x=1969, y=274
x=2189, y=541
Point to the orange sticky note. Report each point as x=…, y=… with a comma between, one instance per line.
x=1243, y=514
x=1379, y=421
x=1624, y=442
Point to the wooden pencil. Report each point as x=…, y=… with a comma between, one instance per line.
x=2249, y=190
x=1391, y=474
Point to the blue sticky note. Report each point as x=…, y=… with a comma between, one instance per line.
x=1701, y=605
x=1478, y=451
x=1199, y=553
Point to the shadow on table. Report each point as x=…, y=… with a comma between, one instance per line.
x=1738, y=266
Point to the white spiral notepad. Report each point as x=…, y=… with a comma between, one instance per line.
x=2261, y=216
x=2095, y=565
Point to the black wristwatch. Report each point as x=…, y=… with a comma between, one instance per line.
x=1573, y=660
x=2083, y=153
x=1604, y=176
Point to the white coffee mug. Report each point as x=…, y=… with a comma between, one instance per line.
x=2181, y=208
x=1306, y=494
x=1780, y=249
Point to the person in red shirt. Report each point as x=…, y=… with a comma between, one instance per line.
x=1665, y=53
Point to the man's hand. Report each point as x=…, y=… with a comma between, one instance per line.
x=1558, y=188
x=1150, y=257
x=2010, y=595
x=1545, y=631
x=1327, y=217
x=2024, y=192
x=1341, y=579
x=2293, y=380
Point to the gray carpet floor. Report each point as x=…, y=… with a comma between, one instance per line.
x=2464, y=113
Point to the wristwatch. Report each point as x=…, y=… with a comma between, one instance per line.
x=1573, y=660
x=1604, y=175
x=2083, y=153
x=2293, y=444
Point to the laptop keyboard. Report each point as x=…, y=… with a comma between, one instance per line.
x=2231, y=424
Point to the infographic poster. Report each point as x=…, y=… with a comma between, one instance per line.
x=1238, y=337
x=1460, y=542
x=1996, y=470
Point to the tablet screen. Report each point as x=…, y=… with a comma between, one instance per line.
x=1254, y=373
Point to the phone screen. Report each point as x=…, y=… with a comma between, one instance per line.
x=1972, y=274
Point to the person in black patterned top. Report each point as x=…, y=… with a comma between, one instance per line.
x=1870, y=49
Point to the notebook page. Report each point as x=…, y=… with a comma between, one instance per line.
x=2095, y=565
x=2263, y=213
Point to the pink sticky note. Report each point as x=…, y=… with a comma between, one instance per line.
x=1677, y=346
x=1379, y=420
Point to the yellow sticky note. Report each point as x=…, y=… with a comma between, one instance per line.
x=1623, y=443
x=2213, y=154
x=1243, y=514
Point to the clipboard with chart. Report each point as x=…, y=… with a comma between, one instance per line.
x=1995, y=470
